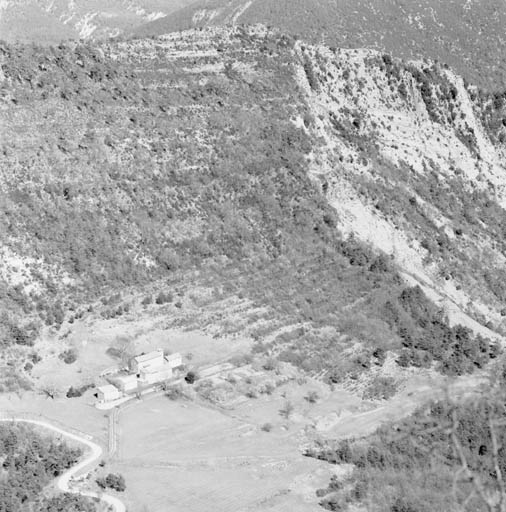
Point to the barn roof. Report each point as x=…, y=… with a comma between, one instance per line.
x=147, y=357
x=108, y=388
x=126, y=378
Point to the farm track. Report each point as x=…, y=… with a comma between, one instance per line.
x=213, y=462
x=63, y=482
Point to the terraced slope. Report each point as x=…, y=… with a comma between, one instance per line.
x=467, y=35
x=233, y=160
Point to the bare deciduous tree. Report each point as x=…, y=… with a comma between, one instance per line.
x=50, y=390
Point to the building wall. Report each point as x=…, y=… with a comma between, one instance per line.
x=107, y=396
x=126, y=384
x=149, y=365
x=175, y=360
x=153, y=364
x=157, y=376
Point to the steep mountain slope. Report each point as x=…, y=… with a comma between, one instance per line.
x=468, y=35
x=412, y=165
x=232, y=159
x=50, y=21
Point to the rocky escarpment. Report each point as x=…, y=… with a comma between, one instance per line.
x=413, y=164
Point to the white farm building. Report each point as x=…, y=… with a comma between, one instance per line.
x=108, y=393
x=174, y=360
x=147, y=362
x=146, y=370
x=126, y=383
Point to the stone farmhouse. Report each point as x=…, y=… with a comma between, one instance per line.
x=144, y=371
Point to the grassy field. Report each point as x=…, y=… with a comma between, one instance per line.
x=194, y=456
x=178, y=456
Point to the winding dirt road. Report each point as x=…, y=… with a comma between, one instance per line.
x=63, y=482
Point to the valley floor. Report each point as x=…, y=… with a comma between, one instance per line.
x=192, y=455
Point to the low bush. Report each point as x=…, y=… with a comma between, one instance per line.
x=66, y=502
x=174, y=392
x=191, y=377
x=74, y=392
x=312, y=397
x=163, y=298
x=112, y=481
x=69, y=356
x=380, y=388
x=147, y=300
x=114, y=352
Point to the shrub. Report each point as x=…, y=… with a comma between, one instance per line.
x=381, y=388
x=268, y=388
x=163, y=298
x=114, y=352
x=310, y=74
x=407, y=504
x=174, y=392
x=380, y=355
x=67, y=502
x=287, y=409
x=270, y=364
x=267, y=427
x=74, y=392
x=69, y=356
x=191, y=377
x=241, y=360
x=147, y=300
x=35, y=358
x=112, y=481
x=21, y=335
x=312, y=397
x=251, y=393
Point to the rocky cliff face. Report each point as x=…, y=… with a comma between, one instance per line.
x=413, y=162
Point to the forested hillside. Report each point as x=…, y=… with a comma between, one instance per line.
x=30, y=461
x=224, y=158
x=448, y=455
x=347, y=204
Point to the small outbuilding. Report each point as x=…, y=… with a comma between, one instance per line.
x=126, y=382
x=174, y=360
x=108, y=393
